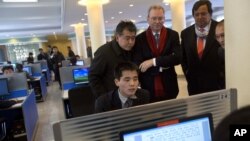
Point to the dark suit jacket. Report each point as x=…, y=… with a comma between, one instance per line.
x=170, y=57
x=111, y=100
x=202, y=74
x=101, y=78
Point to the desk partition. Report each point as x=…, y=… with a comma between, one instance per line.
x=107, y=125
x=17, y=83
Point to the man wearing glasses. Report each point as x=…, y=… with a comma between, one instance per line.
x=101, y=78
x=200, y=51
x=157, y=51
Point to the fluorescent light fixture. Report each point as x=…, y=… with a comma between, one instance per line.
x=20, y=0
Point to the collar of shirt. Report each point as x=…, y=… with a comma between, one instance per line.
x=156, y=33
x=122, y=98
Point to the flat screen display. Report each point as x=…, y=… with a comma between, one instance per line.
x=4, y=90
x=27, y=69
x=198, y=128
x=80, y=63
x=80, y=75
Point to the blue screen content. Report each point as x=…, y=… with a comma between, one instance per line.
x=80, y=76
x=27, y=69
x=79, y=63
x=193, y=130
x=4, y=86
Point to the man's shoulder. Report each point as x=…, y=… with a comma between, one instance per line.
x=142, y=93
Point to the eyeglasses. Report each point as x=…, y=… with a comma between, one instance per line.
x=157, y=18
x=219, y=36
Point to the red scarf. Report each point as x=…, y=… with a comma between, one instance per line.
x=158, y=83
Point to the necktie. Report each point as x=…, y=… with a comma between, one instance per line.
x=128, y=103
x=157, y=39
x=200, y=47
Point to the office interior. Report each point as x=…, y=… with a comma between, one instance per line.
x=52, y=105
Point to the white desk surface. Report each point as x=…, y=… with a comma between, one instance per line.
x=65, y=94
x=18, y=104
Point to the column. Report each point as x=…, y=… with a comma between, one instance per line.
x=80, y=40
x=177, y=8
x=237, y=33
x=95, y=22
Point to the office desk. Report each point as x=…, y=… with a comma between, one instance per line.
x=66, y=105
x=22, y=118
x=39, y=86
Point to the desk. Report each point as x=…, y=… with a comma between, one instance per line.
x=66, y=105
x=22, y=118
x=39, y=86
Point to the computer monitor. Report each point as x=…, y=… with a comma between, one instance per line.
x=80, y=75
x=197, y=128
x=4, y=87
x=28, y=69
x=80, y=63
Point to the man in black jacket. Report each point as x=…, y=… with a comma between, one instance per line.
x=127, y=94
x=57, y=58
x=108, y=55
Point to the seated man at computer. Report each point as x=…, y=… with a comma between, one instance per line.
x=7, y=103
x=127, y=94
x=19, y=69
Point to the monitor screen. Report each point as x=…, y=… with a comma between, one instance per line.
x=198, y=128
x=4, y=86
x=80, y=63
x=27, y=69
x=80, y=75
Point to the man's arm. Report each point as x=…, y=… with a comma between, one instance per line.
x=96, y=72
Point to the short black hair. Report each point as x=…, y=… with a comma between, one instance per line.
x=19, y=67
x=7, y=68
x=124, y=66
x=240, y=117
x=200, y=3
x=30, y=53
x=128, y=25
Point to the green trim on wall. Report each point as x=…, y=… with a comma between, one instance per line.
x=22, y=40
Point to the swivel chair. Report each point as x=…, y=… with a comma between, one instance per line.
x=81, y=101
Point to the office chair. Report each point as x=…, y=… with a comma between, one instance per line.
x=82, y=101
x=2, y=129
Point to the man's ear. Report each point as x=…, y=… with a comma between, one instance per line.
x=117, y=82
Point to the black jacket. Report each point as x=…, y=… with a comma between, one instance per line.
x=101, y=78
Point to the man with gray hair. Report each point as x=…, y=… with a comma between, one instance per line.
x=157, y=51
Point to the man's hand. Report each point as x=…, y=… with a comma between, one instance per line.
x=144, y=66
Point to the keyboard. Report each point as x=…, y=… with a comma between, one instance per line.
x=19, y=100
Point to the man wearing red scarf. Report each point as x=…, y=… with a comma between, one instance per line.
x=157, y=51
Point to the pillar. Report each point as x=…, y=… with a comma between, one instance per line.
x=95, y=22
x=237, y=50
x=177, y=8
x=80, y=40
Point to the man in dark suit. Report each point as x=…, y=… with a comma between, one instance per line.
x=219, y=34
x=127, y=94
x=200, y=51
x=157, y=51
x=110, y=54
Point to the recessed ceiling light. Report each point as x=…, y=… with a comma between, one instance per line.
x=86, y=14
x=82, y=19
x=139, y=16
x=120, y=12
x=131, y=5
x=20, y=0
x=106, y=21
x=112, y=18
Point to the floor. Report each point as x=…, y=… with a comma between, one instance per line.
x=51, y=110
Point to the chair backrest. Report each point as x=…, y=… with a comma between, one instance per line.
x=82, y=101
x=2, y=129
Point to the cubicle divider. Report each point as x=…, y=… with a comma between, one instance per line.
x=17, y=85
x=107, y=125
x=67, y=77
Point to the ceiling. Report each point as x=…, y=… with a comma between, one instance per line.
x=48, y=17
